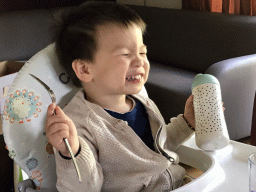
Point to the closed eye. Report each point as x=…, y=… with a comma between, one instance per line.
x=126, y=55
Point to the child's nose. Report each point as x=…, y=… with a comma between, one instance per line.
x=138, y=62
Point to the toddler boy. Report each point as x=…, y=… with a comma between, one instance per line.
x=117, y=134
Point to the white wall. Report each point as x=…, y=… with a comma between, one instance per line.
x=175, y=4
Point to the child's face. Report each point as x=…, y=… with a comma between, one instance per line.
x=120, y=64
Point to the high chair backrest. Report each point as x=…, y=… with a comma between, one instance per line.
x=25, y=116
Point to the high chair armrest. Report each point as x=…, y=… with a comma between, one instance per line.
x=26, y=186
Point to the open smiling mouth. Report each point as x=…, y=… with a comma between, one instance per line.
x=134, y=78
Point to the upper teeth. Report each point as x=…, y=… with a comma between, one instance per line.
x=134, y=77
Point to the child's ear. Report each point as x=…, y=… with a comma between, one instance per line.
x=82, y=70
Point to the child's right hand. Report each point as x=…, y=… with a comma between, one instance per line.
x=58, y=127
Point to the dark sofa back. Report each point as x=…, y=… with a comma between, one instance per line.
x=190, y=40
x=195, y=40
x=24, y=33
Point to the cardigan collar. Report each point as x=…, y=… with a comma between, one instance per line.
x=155, y=119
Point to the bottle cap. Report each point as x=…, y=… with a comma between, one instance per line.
x=204, y=78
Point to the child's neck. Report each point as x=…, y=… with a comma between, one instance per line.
x=120, y=104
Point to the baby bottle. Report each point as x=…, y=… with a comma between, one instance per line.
x=211, y=129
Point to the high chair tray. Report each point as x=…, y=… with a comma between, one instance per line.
x=224, y=170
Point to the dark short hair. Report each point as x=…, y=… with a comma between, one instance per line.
x=76, y=30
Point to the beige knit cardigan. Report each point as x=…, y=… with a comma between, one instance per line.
x=114, y=158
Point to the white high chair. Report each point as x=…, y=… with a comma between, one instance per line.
x=25, y=115
x=24, y=120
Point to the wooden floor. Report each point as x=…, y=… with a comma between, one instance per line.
x=195, y=173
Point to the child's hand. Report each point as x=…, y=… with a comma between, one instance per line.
x=189, y=113
x=58, y=127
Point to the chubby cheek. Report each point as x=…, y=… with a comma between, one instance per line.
x=147, y=69
x=121, y=69
x=115, y=75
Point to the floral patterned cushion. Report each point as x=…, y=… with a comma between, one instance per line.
x=25, y=115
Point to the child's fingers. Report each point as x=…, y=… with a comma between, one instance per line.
x=51, y=108
x=55, y=119
x=60, y=128
x=189, y=101
x=66, y=119
x=56, y=134
x=59, y=111
x=191, y=98
x=222, y=106
x=60, y=117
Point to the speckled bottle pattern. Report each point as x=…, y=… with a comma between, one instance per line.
x=211, y=129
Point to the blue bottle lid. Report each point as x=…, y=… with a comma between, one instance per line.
x=204, y=78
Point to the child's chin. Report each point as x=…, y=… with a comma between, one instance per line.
x=134, y=91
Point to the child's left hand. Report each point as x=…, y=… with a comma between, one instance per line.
x=189, y=113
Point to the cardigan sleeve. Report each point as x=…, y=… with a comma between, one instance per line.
x=178, y=132
x=90, y=170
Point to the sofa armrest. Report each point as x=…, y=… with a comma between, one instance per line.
x=237, y=78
